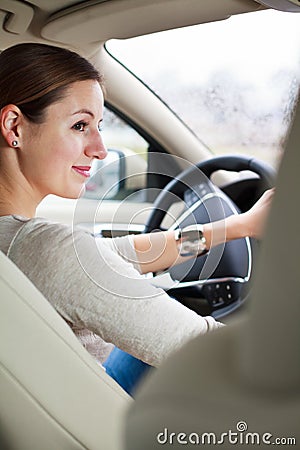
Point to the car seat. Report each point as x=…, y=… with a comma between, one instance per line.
x=240, y=384
x=53, y=394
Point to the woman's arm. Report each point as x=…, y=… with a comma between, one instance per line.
x=159, y=250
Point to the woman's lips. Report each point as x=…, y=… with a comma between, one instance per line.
x=82, y=170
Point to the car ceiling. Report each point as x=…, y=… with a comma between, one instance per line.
x=83, y=25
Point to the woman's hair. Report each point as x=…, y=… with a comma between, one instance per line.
x=33, y=76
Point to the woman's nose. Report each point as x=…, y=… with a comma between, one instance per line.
x=96, y=147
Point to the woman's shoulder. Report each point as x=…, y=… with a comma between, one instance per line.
x=37, y=233
x=16, y=228
x=39, y=225
x=19, y=221
x=45, y=224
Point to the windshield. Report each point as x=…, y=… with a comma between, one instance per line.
x=233, y=82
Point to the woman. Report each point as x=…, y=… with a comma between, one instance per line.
x=51, y=106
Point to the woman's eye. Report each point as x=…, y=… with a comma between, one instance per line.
x=80, y=126
x=100, y=127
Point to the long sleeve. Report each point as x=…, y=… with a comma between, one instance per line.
x=95, y=284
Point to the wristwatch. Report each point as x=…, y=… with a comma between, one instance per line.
x=190, y=240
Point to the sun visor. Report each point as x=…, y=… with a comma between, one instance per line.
x=121, y=19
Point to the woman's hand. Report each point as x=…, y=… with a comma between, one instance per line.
x=237, y=226
x=254, y=220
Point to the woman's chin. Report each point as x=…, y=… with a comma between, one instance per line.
x=74, y=193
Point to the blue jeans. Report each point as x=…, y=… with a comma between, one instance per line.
x=125, y=369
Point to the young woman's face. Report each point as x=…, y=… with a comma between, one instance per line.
x=57, y=155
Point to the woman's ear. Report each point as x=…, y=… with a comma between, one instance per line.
x=10, y=118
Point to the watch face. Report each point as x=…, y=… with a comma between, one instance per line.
x=192, y=243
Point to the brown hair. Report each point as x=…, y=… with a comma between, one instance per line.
x=33, y=76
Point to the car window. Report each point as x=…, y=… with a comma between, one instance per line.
x=113, y=178
x=134, y=170
x=233, y=82
x=119, y=134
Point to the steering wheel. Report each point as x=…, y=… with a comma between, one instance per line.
x=215, y=283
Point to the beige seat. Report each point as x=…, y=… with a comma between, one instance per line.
x=244, y=378
x=53, y=395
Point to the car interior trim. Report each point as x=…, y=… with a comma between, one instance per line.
x=67, y=25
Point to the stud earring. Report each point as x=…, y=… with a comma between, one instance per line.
x=14, y=143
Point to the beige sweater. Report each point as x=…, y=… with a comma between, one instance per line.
x=96, y=286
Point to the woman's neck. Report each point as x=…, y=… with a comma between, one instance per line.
x=12, y=208
x=17, y=196
x=16, y=201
